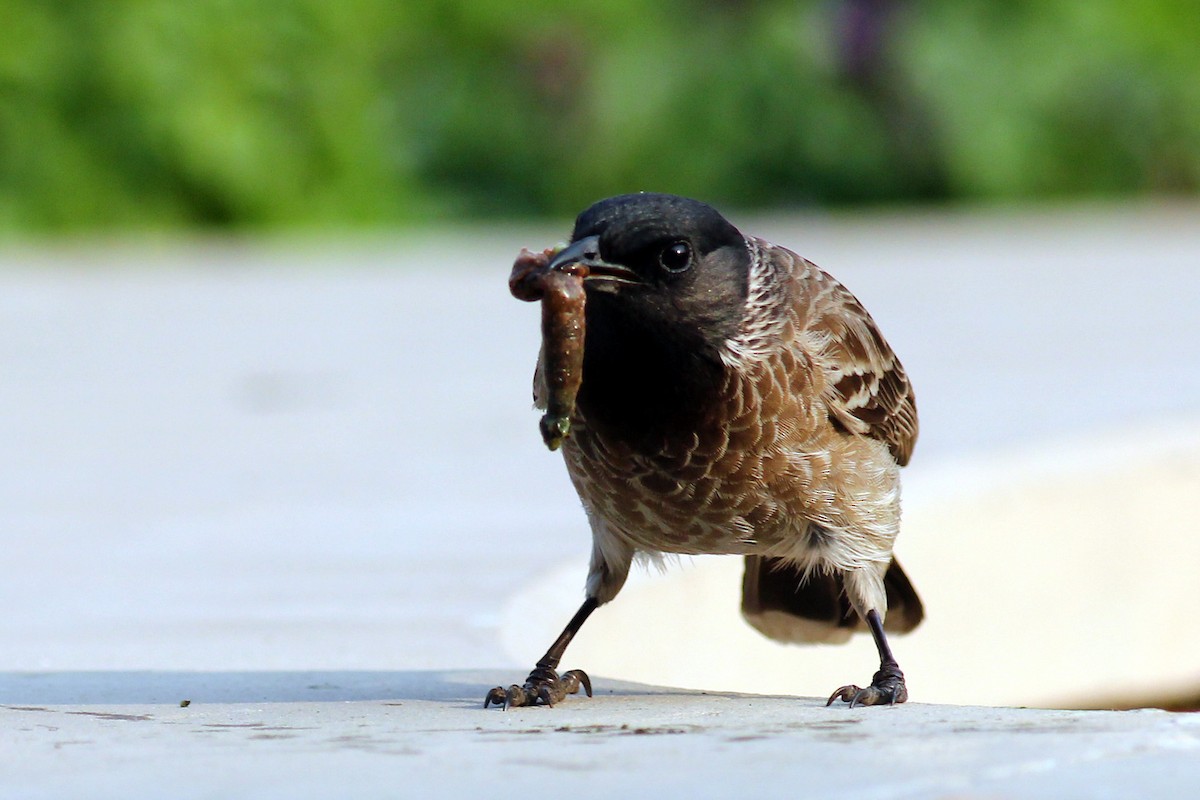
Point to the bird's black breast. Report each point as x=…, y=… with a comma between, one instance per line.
x=644, y=381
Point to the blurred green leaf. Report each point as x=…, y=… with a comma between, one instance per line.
x=144, y=114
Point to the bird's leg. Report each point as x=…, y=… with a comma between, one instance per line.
x=544, y=685
x=887, y=685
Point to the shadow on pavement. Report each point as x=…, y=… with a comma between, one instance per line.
x=154, y=687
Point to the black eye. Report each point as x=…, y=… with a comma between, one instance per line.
x=675, y=257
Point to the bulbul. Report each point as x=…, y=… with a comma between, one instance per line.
x=734, y=399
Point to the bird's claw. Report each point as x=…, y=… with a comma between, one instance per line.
x=887, y=688
x=543, y=686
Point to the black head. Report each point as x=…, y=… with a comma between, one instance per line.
x=667, y=259
x=667, y=283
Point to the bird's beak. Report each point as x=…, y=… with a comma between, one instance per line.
x=586, y=253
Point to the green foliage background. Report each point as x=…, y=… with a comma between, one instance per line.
x=136, y=114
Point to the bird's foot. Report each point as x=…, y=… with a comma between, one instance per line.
x=887, y=687
x=543, y=685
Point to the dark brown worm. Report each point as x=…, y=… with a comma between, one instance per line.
x=561, y=294
x=562, y=351
x=528, y=272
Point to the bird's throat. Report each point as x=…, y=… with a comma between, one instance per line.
x=644, y=382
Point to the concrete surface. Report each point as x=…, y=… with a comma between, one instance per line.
x=413, y=734
x=298, y=482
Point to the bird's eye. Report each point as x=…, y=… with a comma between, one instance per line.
x=676, y=257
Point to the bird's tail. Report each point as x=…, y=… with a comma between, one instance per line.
x=783, y=603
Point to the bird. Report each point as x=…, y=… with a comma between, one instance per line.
x=735, y=399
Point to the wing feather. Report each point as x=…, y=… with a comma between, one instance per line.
x=866, y=389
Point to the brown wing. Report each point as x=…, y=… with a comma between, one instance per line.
x=866, y=390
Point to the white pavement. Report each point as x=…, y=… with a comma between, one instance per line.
x=413, y=734
x=299, y=483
